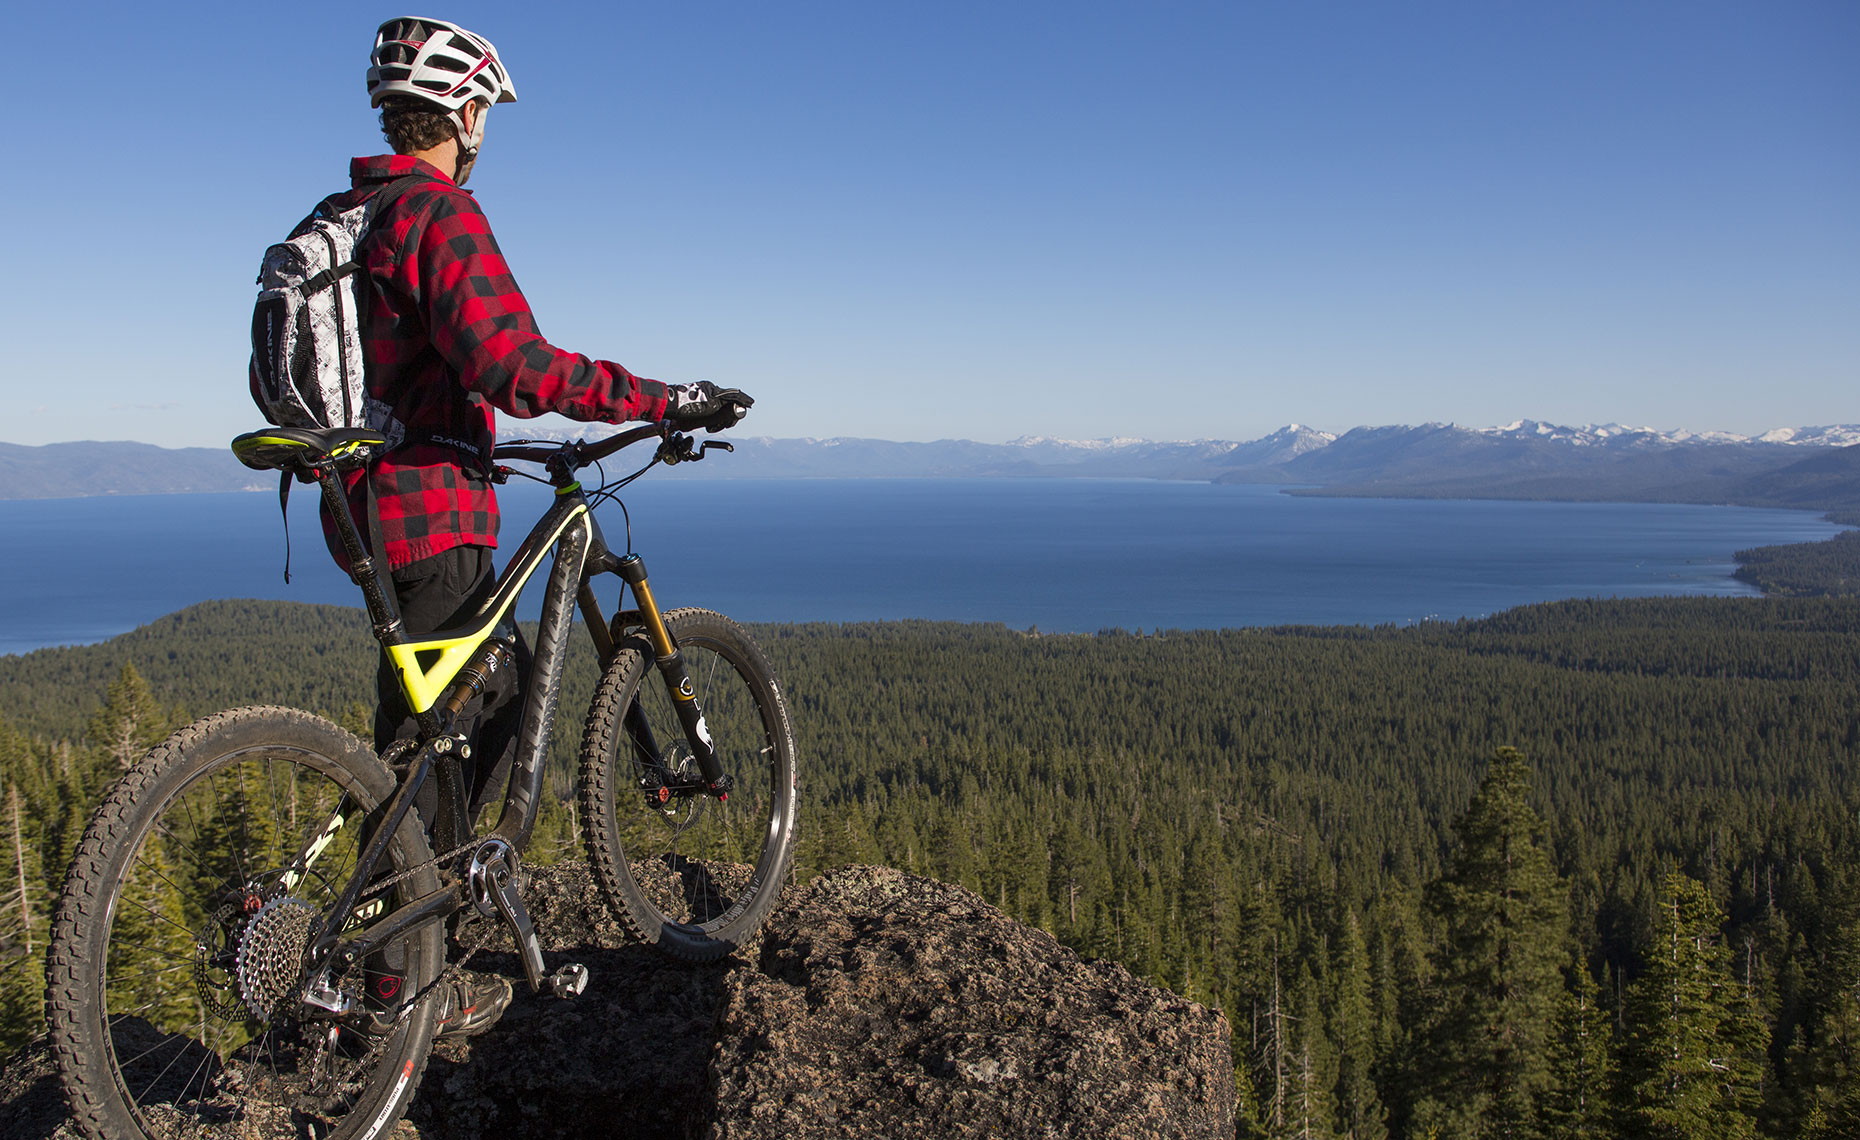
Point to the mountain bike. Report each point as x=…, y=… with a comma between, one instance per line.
x=206, y=971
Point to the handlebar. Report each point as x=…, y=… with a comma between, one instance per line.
x=578, y=454
x=674, y=447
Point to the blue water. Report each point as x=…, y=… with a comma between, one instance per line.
x=1063, y=555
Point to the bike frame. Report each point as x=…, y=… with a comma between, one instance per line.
x=431, y=667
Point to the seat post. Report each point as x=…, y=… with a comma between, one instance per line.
x=383, y=609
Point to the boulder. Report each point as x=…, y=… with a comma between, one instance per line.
x=873, y=1004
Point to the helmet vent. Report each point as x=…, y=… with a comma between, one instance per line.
x=435, y=61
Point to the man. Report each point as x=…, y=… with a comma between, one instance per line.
x=448, y=339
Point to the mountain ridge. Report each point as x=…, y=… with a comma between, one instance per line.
x=1525, y=459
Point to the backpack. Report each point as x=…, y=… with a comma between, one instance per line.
x=308, y=369
x=307, y=363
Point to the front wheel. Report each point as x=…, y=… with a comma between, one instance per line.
x=690, y=873
x=179, y=946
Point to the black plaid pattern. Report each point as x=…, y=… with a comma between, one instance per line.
x=450, y=341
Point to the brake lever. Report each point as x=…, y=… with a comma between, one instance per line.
x=677, y=449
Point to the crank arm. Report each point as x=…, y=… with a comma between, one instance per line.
x=509, y=905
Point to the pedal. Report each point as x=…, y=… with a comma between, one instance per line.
x=569, y=981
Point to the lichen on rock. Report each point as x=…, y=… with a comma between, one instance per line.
x=873, y=1003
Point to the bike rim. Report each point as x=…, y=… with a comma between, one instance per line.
x=189, y=1052
x=696, y=860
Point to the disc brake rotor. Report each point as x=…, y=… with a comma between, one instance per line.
x=215, y=979
x=680, y=810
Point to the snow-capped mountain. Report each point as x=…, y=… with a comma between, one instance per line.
x=1801, y=466
x=1529, y=459
x=1834, y=435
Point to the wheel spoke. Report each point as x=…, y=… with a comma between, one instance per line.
x=678, y=868
x=155, y=939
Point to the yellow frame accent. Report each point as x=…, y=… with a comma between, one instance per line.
x=424, y=687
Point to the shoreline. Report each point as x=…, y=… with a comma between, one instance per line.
x=1234, y=561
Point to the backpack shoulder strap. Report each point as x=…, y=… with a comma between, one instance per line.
x=389, y=194
x=383, y=198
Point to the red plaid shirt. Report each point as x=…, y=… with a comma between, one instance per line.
x=450, y=338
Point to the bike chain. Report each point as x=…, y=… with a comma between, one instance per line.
x=383, y=885
x=428, y=992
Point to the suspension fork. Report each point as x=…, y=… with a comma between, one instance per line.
x=671, y=665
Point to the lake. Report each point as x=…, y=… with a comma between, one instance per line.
x=1060, y=554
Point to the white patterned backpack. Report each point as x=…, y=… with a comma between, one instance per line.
x=307, y=363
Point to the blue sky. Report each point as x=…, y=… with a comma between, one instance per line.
x=985, y=220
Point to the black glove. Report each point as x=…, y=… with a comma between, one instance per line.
x=704, y=405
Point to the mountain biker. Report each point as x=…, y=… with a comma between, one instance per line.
x=448, y=338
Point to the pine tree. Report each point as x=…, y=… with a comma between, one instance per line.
x=900, y=844
x=1247, y=1124
x=1310, y=1111
x=843, y=836
x=127, y=726
x=1582, y=1059
x=235, y=837
x=1825, y=1098
x=1400, y=973
x=1498, y=984
x=152, y=941
x=953, y=850
x=1360, y=1114
x=1208, y=910
x=1078, y=879
x=1275, y=1047
x=1689, y=1068
x=23, y=908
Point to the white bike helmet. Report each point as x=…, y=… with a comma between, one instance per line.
x=438, y=62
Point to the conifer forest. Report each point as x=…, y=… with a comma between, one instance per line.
x=1582, y=869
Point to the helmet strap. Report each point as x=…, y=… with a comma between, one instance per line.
x=469, y=141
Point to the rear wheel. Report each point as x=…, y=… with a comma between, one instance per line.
x=690, y=873
x=179, y=943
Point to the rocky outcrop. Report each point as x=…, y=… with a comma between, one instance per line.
x=874, y=1004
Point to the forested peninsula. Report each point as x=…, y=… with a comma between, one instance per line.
x=1579, y=869
x=1826, y=569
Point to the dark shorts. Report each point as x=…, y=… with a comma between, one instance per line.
x=434, y=594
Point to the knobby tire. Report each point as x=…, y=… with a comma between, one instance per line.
x=689, y=874
x=153, y=1027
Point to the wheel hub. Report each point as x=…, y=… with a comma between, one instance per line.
x=669, y=788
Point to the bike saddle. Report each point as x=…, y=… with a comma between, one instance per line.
x=291, y=448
